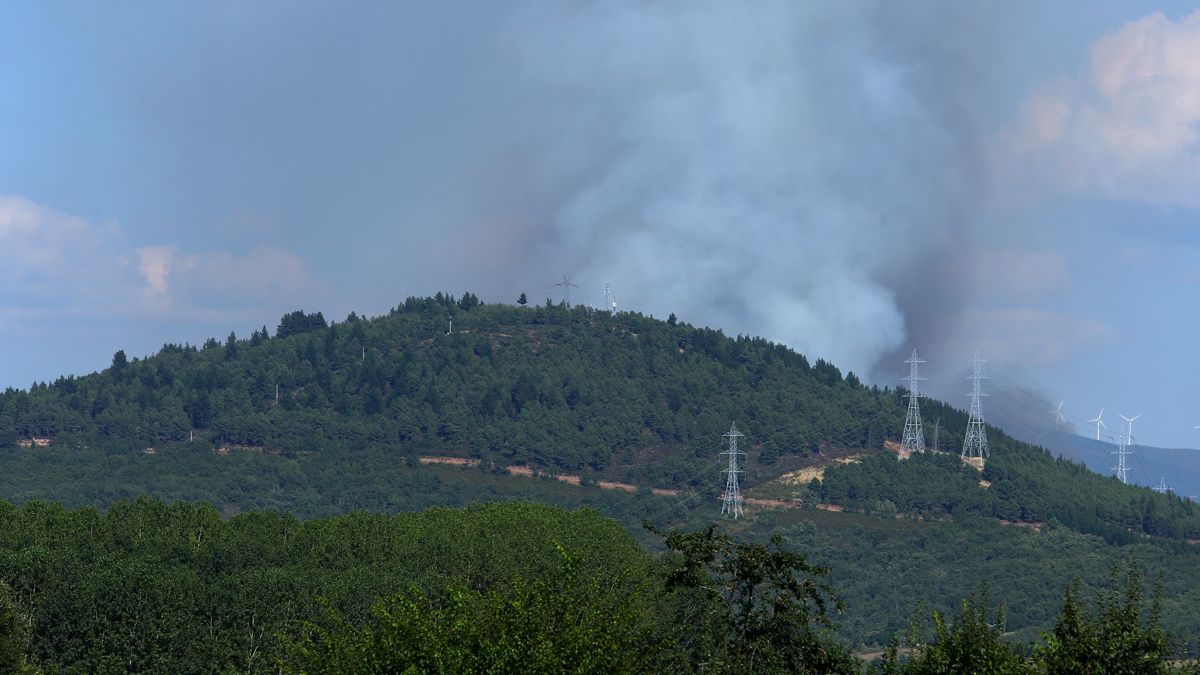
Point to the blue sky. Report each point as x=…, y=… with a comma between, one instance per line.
x=853, y=179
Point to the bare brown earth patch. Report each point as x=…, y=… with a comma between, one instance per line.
x=1035, y=526
x=529, y=472
x=806, y=475
x=454, y=461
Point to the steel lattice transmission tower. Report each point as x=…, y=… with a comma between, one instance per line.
x=567, y=285
x=732, y=504
x=1121, y=468
x=913, y=439
x=975, y=444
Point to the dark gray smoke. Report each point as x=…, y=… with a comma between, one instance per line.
x=803, y=172
x=808, y=172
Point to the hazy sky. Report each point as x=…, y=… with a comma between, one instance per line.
x=853, y=178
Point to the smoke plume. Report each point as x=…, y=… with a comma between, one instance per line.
x=798, y=172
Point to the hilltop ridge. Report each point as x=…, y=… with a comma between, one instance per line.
x=621, y=397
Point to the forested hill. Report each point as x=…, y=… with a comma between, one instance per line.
x=562, y=389
x=545, y=385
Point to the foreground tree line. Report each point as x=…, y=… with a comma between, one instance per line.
x=514, y=587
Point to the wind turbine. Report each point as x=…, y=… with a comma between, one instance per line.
x=1058, y=416
x=1099, y=423
x=1129, y=421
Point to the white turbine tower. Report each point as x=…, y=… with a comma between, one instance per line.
x=1099, y=423
x=1058, y=416
x=1129, y=423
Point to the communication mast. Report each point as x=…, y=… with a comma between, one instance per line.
x=732, y=503
x=913, y=439
x=975, y=445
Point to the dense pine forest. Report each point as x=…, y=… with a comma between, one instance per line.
x=280, y=443
x=565, y=390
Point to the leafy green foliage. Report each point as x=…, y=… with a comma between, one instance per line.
x=154, y=587
x=971, y=643
x=1122, y=635
x=745, y=607
x=14, y=635
x=558, y=623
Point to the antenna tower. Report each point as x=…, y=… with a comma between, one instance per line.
x=1121, y=468
x=936, y=427
x=914, y=435
x=567, y=285
x=732, y=504
x=607, y=295
x=976, y=444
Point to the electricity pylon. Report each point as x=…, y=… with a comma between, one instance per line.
x=567, y=285
x=732, y=504
x=913, y=439
x=976, y=444
x=1121, y=468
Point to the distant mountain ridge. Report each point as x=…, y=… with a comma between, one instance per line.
x=1178, y=467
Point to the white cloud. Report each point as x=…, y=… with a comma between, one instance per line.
x=155, y=264
x=47, y=255
x=55, y=265
x=1129, y=129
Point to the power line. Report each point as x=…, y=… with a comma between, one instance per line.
x=732, y=503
